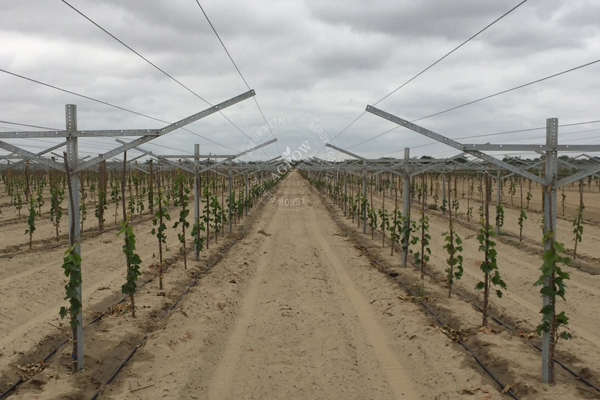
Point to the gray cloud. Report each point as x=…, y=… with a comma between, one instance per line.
x=325, y=59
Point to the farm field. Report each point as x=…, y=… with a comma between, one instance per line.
x=299, y=200
x=519, y=265
x=33, y=286
x=307, y=317
x=297, y=308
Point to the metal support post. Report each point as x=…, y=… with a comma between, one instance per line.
x=549, y=226
x=197, y=194
x=444, y=190
x=74, y=232
x=345, y=194
x=498, y=187
x=406, y=208
x=364, y=193
x=246, y=202
x=230, y=210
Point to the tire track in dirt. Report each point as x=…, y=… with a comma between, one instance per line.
x=395, y=373
x=311, y=314
x=223, y=375
x=296, y=313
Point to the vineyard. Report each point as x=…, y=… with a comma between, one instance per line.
x=445, y=233
x=389, y=220
x=140, y=237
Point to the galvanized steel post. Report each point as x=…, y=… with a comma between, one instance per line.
x=197, y=194
x=549, y=226
x=74, y=232
x=406, y=207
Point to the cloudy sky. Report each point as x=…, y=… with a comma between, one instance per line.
x=322, y=61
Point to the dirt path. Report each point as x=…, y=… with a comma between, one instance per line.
x=295, y=312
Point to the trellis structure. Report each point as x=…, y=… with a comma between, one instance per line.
x=550, y=182
x=196, y=170
x=75, y=165
x=406, y=169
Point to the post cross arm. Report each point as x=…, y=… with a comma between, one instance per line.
x=167, y=129
x=237, y=155
x=453, y=143
x=531, y=147
x=9, y=166
x=163, y=159
x=364, y=159
x=91, y=133
x=32, y=156
x=431, y=166
x=579, y=175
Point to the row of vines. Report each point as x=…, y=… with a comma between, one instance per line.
x=410, y=234
x=131, y=193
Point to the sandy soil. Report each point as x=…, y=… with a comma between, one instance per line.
x=295, y=310
x=308, y=317
x=519, y=266
x=32, y=293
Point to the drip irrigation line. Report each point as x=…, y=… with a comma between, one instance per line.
x=501, y=385
x=512, y=330
x=123, y=299
x=166, y=312
x=372, y=260
x=494, y=318
x=434, y=64
x=92, y=322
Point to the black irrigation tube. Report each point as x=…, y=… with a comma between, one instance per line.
x=511, y=329
x=20, y=381
x=535, y=346
x=437, y=318
x=194, y=282
x=191, y=285
x=463, y=344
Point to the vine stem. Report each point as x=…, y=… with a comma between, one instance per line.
x=160, y=255
x=71, y=243
x=486, y=289
x=552, y=284
x=452, y=251
x=126, y=223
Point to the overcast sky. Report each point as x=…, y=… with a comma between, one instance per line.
x=322, y=61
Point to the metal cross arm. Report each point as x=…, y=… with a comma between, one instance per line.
x=579, y=175
x=199, y=156
x=167, y=129
x=364, y=159
x=58, y=146
x=92, y=133
x=455, y=144
x=33, y=156
x=436, y=165
x=237, y=155
x=163, y=159
x=530, y=147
